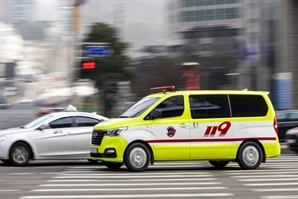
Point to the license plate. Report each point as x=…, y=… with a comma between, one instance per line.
x=93, y=150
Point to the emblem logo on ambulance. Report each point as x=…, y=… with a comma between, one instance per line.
x=171, y=131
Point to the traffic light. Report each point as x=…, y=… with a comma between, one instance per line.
x=87, y=69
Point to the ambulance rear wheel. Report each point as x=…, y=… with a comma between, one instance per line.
x=250, y=156
x=219, y=164
x=113, y=165
x=137, y=157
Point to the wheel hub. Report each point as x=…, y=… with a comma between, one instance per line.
x=251, y=155
x=138, y=157
x=20, y=155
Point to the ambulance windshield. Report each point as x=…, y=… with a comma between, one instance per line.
x=139, y=107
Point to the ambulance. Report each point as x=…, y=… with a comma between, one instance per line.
x=191, y=125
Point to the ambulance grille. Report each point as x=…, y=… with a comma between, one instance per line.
x=97, y=137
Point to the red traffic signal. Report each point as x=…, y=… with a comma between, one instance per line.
x=88, y=65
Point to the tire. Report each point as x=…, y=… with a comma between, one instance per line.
x=137, y=157
x=219, y=164
x=250, y=156
x=113, y=165
x=6, y=161
x=19, y=154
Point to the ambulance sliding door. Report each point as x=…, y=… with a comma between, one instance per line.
x=210, y=127
x=171, y=131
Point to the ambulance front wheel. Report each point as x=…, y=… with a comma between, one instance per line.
x=137, y=157
x=250, y=156
x=219, y=164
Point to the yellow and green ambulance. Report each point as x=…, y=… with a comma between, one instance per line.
x=169, y=125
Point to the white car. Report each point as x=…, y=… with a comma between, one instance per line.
x=55, y=136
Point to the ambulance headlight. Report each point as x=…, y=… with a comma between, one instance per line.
x=116, y=132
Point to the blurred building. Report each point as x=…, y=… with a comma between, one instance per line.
x=261, y=34
x=208, y=29
x=286, y=69
x=17, y=11
x=206, y=26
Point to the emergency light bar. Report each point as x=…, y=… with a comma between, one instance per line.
x=162, y=89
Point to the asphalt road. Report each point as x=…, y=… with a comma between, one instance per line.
x=276, y=179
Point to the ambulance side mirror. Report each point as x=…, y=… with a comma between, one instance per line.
x=155, y=114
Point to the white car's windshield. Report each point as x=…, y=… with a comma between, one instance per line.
x=139, y=107
x=37, y=121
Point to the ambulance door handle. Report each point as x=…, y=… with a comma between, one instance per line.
x=183, y=125
x=195, y=125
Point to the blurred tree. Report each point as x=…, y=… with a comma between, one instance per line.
x=111, y=68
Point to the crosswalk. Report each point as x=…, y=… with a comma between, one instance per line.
x=276, y=179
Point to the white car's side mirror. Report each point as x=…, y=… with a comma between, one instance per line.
x=44, y=126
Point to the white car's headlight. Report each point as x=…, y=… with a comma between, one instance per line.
x=2, y=137
x=116, y=132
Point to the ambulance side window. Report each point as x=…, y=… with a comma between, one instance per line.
x=209, y=106
x=171, y=107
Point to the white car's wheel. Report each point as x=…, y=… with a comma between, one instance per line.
x=19, y=154
x=137, y=157
x=250, y=156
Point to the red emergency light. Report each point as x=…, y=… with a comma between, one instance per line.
x=88, y=65
x=162, y=89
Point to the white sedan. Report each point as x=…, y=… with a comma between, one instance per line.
x=56, y=136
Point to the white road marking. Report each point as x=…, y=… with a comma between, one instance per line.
x=280, y=197
x=265, y=179
x=269, y=172
x=258, y=170
x=184, y=195
x=143, y=174
x=130, y=184
x=271, y=184
x=271, y=190
x=262, y=176
x=134, y=180
x=21, y=173
x=130, y=189
x=117, y=177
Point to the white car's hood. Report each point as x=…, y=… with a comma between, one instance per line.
x=14, y=130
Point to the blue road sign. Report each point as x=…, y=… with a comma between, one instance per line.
x=97, y=51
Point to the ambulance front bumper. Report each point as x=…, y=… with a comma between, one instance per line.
x=109, y=153
x=111, y=149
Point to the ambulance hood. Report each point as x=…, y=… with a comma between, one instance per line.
x=114, y=123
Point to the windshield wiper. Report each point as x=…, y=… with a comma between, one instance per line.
x=123, y=116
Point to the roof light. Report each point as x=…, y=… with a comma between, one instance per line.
x=70, y=108
x=162, y=89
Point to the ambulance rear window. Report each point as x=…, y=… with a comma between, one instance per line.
x=248, y=106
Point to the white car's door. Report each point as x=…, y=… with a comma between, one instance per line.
x=56, y=141
x=82, y=135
